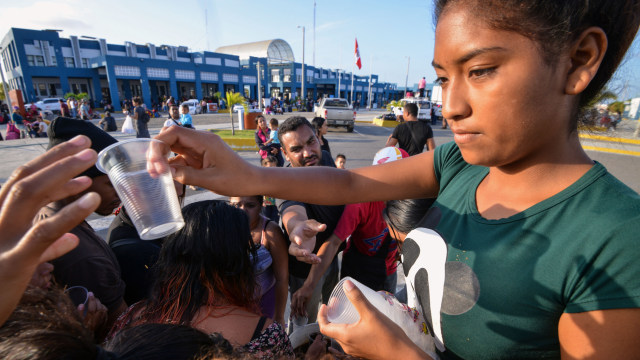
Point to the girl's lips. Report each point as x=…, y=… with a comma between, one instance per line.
x=463, y=137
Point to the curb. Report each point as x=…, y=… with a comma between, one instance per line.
x=610, y=139
x=241, y=144
x=385, y=123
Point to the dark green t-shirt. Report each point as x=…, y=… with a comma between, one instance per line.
x=508, y=281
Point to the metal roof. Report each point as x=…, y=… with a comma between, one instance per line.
x=277, y=51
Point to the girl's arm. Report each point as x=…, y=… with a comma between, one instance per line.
x=205, y=160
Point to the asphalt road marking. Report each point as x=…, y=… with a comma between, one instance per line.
x=610, y=139
x=608, y=150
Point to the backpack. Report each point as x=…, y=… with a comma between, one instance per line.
x=12, y=132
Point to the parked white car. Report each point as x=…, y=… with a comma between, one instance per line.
x=51, y=105
x=194, y=106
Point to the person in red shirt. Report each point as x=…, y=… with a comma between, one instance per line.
x=64, y=109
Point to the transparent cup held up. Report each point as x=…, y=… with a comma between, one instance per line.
x=151, y=202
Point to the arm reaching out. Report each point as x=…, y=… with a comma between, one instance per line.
x=23, y=246
x=205, y=160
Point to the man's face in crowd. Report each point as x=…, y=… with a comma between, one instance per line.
x=340, y=163
x=104, y=188
x=301, y=147
x=173, y=111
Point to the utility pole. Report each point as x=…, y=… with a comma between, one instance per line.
x=339, y=78
x=406, y=81
x=259, y=86
x=4, y=87
x=370, y=74
x=303, y=95
x=314, y=33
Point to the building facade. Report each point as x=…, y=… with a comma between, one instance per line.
x=42, y=65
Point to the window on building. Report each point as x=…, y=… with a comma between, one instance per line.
x=287, y=78
x=185, y=74
x=30, y=60
x=85, y=62
x=230, y=78
x=54, y=61
x=69, y=62
x=121, y=70
x=298, y=78
x=39, y=60
x=275, y=75
x=42, y=90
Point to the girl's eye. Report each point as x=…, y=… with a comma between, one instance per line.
x=481, y=72
x=440, y=80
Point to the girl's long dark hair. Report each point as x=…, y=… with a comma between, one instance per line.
x=206, y=263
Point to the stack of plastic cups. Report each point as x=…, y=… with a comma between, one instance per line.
x=151, y=202
x=342, y=311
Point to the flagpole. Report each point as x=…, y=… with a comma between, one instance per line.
x=353, y=66
x=339, y=68
x=370, y=73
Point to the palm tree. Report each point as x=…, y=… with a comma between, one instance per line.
x=234, y=98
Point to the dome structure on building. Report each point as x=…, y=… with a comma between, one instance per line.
x=277, y=51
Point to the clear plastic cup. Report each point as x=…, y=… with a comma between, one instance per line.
x=298, y=322
x=79, y=295
x=151, y=203
x=342, y=311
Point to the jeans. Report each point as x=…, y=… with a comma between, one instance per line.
x=321, y=292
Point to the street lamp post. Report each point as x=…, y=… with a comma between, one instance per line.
x=4, y=87
x=406, y=81
x=302, y=96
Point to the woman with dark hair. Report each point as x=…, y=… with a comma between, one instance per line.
x=540, y=240
x=204, y=278
x=320, y=124
x=168, y=341
x=46, y=326
x=262, y=138
x=271, y=263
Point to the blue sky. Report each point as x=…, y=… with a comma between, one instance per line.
x=388, y=31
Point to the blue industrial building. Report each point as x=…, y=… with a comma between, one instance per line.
x=42, y=64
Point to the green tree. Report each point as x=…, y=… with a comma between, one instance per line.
x=603, y=95
x=234, y=98
x=3, y=96
x=617, y=107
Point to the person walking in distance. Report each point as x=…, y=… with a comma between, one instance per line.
x=412, y=135
x=141, y=119
x=421, y=85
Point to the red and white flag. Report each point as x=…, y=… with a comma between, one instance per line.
x=357, y=56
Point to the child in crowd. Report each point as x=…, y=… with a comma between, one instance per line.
x=341, y=160
x=269, y=208
x=273, y=135
x=185, y=118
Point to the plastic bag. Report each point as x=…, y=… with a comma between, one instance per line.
x=127, y=127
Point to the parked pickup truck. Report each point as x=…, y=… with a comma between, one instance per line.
x=337, y=112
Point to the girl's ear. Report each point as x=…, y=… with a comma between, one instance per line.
x=586, y=55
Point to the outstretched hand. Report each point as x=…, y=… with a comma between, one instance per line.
x=303, y=240
x=23, y=246
x=374, y=336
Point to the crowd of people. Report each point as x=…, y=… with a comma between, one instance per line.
x=538, y=238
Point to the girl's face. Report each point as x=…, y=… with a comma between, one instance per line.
x=249, y=204
x=324, y=128
x=504, y=104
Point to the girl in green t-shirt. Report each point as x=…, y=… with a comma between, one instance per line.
x=514, y=76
